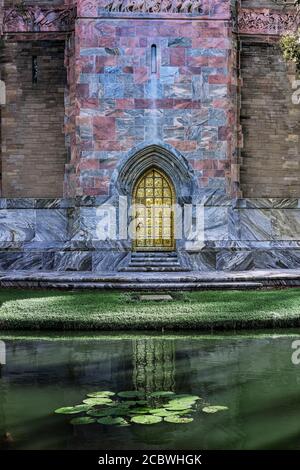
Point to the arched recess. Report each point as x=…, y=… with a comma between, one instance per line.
x=161, y=156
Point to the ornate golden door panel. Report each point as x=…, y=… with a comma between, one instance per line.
x=154, y=197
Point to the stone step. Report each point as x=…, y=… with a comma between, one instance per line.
x=137, y=286
x=157, y=269
x=154, y=254
x=158, y=266
x=151, y=278
x=154, y=263
x=172, y=259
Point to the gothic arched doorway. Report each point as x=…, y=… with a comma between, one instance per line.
x=154, y=205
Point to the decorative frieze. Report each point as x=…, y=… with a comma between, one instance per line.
x=154, y=6
x=265, y=21
x=23, y=18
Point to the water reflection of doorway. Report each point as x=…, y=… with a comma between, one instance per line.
x=153, y=365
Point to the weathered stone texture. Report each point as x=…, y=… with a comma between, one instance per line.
x=271, y=124
x=119, y=118
x=11, y=3
x=186, y=105
x=33, y=142
x=260, y=4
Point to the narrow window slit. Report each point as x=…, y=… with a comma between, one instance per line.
x=34, y=69
x=153, y=59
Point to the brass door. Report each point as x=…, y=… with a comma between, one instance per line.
x=153, y=199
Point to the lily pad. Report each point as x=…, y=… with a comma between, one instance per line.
x=131, y=394
x=140, y=402
x=184, y=400
x=161, y=394
x=70, y=410
x=83, y=420
x=155, y=411
x=180, y=404
x=100, y=394
x=214, y=408
x=81, y=407
x=109, y=421
x=172, y=411
x=178, y=419
x=146, y=419
x=178, y=407
x=162, y=412
x=97, y=401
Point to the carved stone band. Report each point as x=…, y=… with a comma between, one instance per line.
x=266, y=22
x=154, y=6
x=34, y=18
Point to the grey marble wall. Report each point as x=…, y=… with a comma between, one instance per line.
x=61, y=235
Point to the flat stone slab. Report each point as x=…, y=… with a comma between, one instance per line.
x=155, y=297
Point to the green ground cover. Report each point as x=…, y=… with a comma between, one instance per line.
x=110, y=310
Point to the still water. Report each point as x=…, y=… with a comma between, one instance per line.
x=252, y=375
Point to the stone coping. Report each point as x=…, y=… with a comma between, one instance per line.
x=124, y=247
x=156, y=16
x=193, y=276
x=213, y=199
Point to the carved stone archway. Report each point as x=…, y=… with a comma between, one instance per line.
x=161, y=156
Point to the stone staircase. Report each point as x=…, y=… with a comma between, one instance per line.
x=154, y=262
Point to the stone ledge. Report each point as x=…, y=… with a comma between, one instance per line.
x=150, y=281
x=210, y=198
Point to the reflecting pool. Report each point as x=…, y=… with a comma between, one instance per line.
x=252, y=374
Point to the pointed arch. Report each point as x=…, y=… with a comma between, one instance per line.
x=164, y=158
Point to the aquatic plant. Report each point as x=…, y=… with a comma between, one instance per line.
x=119, y=409
x=214, y=409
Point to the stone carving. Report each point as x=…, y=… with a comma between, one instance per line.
x=267, y=22
x=154, y=6
x=35, y=18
